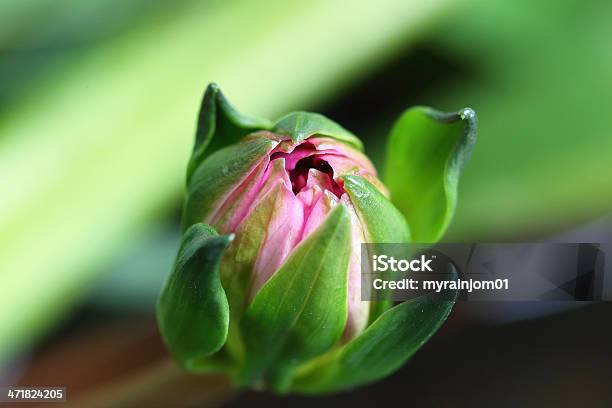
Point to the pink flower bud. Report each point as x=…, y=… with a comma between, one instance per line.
x=283, y=198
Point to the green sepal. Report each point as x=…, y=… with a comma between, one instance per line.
x=380, y=350
x=383, y=222
x=192, y=310
x=219, y=125
x=300, y=126
x=301, y=311
x=425, y=154
x=219, y=174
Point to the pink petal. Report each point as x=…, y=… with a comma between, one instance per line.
x=285, y=214
x=358, y=310
x=317, y=204
x=237, y=203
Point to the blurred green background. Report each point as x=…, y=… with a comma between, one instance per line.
x=98, y=102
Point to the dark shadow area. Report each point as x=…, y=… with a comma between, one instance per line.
x=380, y=98
x=560, y=361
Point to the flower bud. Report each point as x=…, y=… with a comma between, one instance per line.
x=284, y=196
x=267, y=282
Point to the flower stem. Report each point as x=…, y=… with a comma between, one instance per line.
x=162, y=385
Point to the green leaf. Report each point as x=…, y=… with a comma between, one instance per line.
x=301, y=312
x=219, y=125
x=217, y=176
x=383, y=221
x=425, y=154
x=543, y=165
x=300, y=126
x=380, y=350
x=192, y=311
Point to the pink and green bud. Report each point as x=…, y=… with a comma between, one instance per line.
x=283, y=197
x=267, y=282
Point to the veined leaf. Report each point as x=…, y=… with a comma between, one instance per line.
x=219, y=173
x=380, y=350
x=301, y=312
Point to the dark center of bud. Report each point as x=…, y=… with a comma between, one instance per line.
x=299, y=173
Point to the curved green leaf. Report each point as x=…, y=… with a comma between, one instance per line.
x=425, y=154
x=192, y=311
x=218, y=118
x=219, y=174
x=301, y=312
x=380, y=350
x=383, y=221
x=300, y=126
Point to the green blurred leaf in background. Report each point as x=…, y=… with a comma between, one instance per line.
x=542, y=92
x=95, y=132
x=93, y=149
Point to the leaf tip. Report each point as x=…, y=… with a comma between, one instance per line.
x=467, y=114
